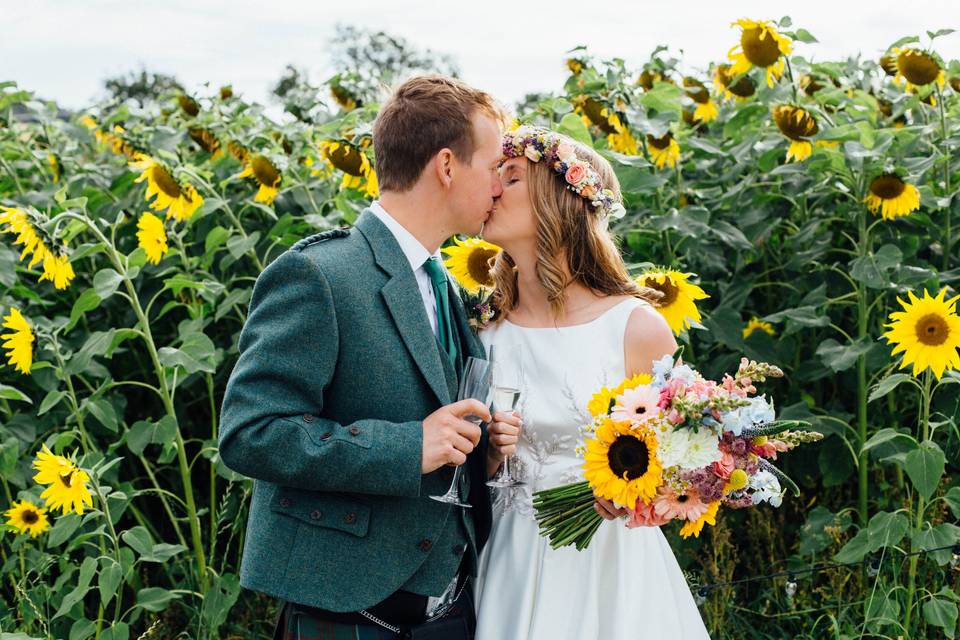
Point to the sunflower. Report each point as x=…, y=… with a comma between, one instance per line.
x=694, y=527
x=267, y=176
x=469, y=262
x=648, y=78
x=27, y=517
x=357, y=170
x=595, y=113
x=678, y=304
x=206, y=140
x=760, y=46
x=603, y=401
x=723, y=82
x=67, y=488
x=19, y=344
x=56, y=167
x=57, y=269
x=892, y=196
x=238, y=151
x=575, y=65
x=664, y=151
x=188, y=105
x=180, y=200
x=756, y=324
x=927, y=331
x=706, y=110
x=226, y=92
x=889, y=65
x=796, y=124
x=117, y=143
x=88, y=121
x=918, y=68
x=152, y=237
x=56, y=266
x=621, y=463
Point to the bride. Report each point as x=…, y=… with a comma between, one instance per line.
x=564, y=299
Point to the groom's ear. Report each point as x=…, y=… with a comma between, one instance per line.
x=443, y=165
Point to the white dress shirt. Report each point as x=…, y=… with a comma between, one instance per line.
x=416, y=254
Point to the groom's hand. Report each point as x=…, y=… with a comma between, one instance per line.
x=448, y=438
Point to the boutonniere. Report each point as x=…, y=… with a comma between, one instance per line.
x=469, y=262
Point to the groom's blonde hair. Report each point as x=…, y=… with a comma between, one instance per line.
x=422, y=116
x=570, y=234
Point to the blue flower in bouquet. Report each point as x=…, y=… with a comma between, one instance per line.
x=766, y=488
x=758, y=412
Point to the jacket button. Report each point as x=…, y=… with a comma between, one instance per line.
x=316, y=514
x=458, y=549
x=284, y=502
x=350, y=518
x=326, y=435
x=426, y=544
x=307, y=417
x=354, y=431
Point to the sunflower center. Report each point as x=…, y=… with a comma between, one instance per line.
x=793, y=122
x=594, y=111
x=759, y=47
x=478, y=265
x=918, y=67
x=887, y=187
x=932, y=330
x=166, y=182
x=265, y=172
x=66, y=478
x=696, y=91
x=629, y=457
x=347, y=159
x=667, y=288
x=742, y=88
x=660, y=143
x=29, y=516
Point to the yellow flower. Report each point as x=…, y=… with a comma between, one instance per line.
x=357, y=170
x=206, y=140
x=648, y=77
x=67, y=488
x=678, y=304
x=56, y=168
x=918, y=68
x=56, y=267
x=694, y=527
x=189, y=106
x=892, y=196
x=88, y=121
x=181, y=201
x=706, y=110
x=152, y=237
x=575, y=66
x=760, y=46
x=602, y=401
x=737, y=481
x=664, y=151
x=756, y=324
x=798, y=125
x=469, y=262
x=19, y=344
x=266, y=175
x=724, y=85
x=27, y=517
x=927, y=331
x=623, y=142
x=621, y=463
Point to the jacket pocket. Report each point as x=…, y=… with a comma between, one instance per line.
x=342, y=512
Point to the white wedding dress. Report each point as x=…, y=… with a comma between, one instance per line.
x=627, y=584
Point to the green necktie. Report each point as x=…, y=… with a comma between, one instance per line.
x=438, y=277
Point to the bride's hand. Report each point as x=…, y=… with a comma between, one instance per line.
x=608, y=510
x=504, y=434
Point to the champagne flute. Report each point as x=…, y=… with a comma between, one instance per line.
x=474, y=383
x=508, y=380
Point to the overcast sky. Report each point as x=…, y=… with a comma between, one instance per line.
x=63, y=49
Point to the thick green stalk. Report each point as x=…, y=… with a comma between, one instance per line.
x=925, y=434
x=863, y=314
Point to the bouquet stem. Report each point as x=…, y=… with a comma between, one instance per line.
x=566, y=515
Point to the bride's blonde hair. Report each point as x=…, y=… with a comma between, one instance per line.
x=570, y=230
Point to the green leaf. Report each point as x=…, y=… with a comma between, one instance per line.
x=119, y=631
x=952, y=498
x=873, y=270
x=218, y=600
x=887, y=385
x=856, y=548
x=238, y=245
x=886, y=529
x=11, y=393
x=144, y=432
x=103, y=410
x=105, y=282
x=71, y=600
x=840, y=357
x=571, y=125
x=154, y=598
x=96, y=345
x=215, y=238
x=887, y=435
x=941, y=613
x=813, y=535
x=942, y=535
x=111, y=575
x=82, y=629
x=195, y=354
x=51, y=400
x=9, y=454
x=63, y=529
x=139, y=539
x=924, y=465
x=663, y=97
x=804, y=36
x=88, y=301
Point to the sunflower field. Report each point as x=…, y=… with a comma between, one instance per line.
x=803, y=214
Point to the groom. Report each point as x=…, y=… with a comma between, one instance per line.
x=341, y=404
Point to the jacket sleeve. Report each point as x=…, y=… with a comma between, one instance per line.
x=270, y=423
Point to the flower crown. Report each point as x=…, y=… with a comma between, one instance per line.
x=537, y=143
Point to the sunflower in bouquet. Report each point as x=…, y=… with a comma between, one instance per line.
x=674, y=446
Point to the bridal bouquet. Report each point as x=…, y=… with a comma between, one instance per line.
x=674, y=446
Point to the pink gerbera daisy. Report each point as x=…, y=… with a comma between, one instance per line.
x=684, y=505
x=637, y=405
x=645, y=516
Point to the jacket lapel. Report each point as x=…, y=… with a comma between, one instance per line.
x=402, y=298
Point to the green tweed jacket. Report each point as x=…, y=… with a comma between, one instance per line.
x=338, y=367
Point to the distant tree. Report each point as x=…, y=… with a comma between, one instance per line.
x=141, y=86
x=299, y=98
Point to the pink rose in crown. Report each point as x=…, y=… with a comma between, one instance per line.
x=575, y=174
x=565, y=152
